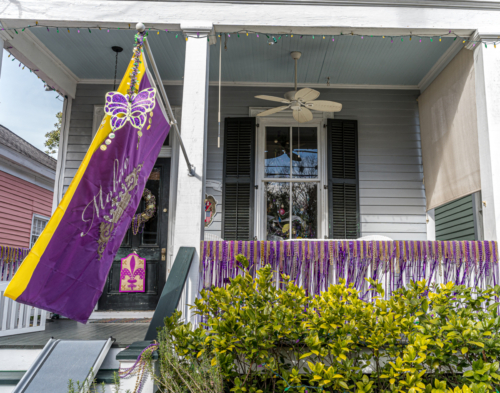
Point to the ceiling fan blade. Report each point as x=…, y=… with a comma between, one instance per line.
x=324, y=106
x=307, y=94
x=274, y=110
x=303, y=115
x=271, y=98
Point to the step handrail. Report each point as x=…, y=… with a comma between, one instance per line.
x=172, y=291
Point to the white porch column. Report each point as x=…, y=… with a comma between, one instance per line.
x=189, y=222
x=61, y=153
x=487, y=69
x=1, y=56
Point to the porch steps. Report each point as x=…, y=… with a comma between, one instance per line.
x=12, y=378
x=61, y=361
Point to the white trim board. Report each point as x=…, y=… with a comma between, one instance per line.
x=439, y=66
x=28, y=49
x=270, y=84
x=470, y=5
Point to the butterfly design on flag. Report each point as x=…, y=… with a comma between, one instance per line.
x=135, y=111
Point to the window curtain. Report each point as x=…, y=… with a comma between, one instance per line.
x=448, y=128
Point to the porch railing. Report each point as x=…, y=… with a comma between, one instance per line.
x=16, y=318
x=317, y=264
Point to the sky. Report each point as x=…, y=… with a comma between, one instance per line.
x=25, y=107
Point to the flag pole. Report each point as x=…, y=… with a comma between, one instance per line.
x=191, y=169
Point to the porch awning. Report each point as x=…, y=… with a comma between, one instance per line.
x=448, y=128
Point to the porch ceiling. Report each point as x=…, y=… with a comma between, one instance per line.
x=348, y=60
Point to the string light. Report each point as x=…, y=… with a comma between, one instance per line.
x=431, y=39
x=313, y=37
x=391, y=40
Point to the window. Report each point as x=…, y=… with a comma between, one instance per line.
x=291, y=180
x=37, y=227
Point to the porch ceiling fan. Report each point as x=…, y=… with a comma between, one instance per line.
x=300, y=102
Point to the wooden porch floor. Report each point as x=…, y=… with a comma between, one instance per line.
x=124, y=334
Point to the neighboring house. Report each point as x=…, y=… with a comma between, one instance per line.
x=419, y=86
x=27, y=177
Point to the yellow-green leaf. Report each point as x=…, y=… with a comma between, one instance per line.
x=465, y=350
x=305, y=355
x=214, y=362
x=200, y=353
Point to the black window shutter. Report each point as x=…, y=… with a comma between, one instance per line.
x=343, y=180
x=238, y=178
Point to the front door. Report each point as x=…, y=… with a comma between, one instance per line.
x=149, y=243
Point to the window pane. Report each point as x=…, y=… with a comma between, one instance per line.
x=37, y=229
x=305, y=210
x=151, y=226
x=305, y=152
x=278, y=209
x=277, y=160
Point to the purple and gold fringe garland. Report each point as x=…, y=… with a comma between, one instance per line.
x=317, y=264
x=10, y=260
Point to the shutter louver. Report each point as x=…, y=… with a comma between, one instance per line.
x=239, y=146
x=343, y=179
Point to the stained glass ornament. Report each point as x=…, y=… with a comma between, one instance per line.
x=103, y=147
x=107, y=141
x=111, y=136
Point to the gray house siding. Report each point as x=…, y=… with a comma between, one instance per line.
x=392, y=200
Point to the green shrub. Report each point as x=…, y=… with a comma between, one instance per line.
x=420, y=340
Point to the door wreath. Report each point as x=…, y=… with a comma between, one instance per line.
x=140, y=219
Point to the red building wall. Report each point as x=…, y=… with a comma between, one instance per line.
x=19, y=200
